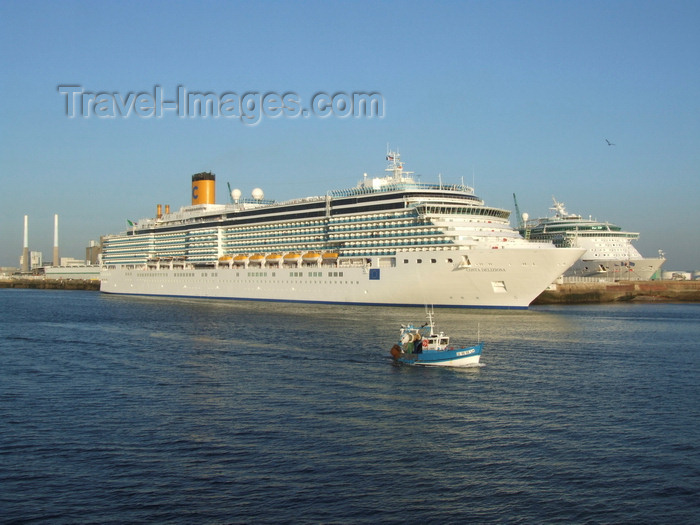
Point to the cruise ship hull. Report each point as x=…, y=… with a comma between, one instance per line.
x=389, y=240
x=617, y=269
x=498, y=278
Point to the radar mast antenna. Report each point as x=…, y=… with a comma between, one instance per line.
x=395, y=166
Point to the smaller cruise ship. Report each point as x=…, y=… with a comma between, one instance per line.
x=609, y=250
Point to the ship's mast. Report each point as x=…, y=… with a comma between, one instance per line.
x=558, y=208
x=429, y=314
x=395, y=166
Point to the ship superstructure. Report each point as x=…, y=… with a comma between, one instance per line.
x=388, y=240
x=609, y=250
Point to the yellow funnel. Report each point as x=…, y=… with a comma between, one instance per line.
x=204, y=188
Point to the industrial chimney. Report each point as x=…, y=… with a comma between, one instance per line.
x=25, y=251
x=56, y=260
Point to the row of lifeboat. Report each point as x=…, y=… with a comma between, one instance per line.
x=275, y=259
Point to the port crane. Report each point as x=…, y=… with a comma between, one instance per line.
x=521, y=219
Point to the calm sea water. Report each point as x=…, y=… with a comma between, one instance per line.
x=117, y=409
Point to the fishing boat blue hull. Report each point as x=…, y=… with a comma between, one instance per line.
x=468, y=356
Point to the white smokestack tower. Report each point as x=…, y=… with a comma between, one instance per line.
x=25, y=251
x=56, y=260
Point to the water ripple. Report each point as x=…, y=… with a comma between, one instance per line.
x=117, y=409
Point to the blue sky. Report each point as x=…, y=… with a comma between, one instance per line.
x=518, y=97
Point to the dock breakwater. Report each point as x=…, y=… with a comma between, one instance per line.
x=622, y=291
x=51, y=284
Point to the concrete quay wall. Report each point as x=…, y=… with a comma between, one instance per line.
x=638, y=291
x=51, y=284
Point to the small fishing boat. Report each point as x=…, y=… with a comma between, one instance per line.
x=424, y=347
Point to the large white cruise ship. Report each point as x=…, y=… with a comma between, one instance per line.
x=609, y=250
x=388, y=241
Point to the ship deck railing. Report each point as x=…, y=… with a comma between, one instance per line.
x=417, y=240
x=399, y=186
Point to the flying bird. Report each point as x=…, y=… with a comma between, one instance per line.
x=609, y=143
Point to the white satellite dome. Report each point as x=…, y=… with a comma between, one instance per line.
x=236, y=194
x=526, y=216
x=258, y=194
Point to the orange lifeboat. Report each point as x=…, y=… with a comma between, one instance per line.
x=273, y=258
x=311, y=257
x=257, y=258
x=292, y=257
x=226, y=260
x=240, y=259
